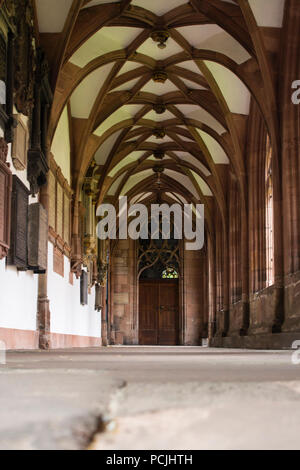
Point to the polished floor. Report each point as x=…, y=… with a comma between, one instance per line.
x=150, y=398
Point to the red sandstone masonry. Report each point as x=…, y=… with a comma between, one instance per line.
x=19, y=339
x=29, y=340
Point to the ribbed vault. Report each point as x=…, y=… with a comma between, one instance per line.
x=161, y=83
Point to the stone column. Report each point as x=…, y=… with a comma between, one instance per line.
x=44, y=315
x=290, y=118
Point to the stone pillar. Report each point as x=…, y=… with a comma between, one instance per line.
x=195, y=297
x=212, y=326
x=290, y=118
x=44, y=316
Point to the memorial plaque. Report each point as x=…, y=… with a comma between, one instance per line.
x=18, y=253
x=5, y=200
x=20, y=145
x=37, y=238
x=84, y=288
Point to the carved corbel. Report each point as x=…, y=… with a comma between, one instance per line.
x=76, y=259
x=102, y=273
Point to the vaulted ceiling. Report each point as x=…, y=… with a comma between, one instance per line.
x=152, y=85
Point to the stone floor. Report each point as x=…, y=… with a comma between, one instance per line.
x=150, y=398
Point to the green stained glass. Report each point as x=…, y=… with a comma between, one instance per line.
x=170, y=273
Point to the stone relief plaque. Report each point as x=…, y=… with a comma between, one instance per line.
x=18, y=253
x=20, y=145
x=37, y=238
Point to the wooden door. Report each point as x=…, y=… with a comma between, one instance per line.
x=159, y=313
x=168, y=328
x=148, y=317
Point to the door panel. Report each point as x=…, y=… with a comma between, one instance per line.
x=159, y=314
x=148, y=305
x=168, y=314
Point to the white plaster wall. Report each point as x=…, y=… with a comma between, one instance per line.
x=18, y=299
x=67, y=315
x=19, y=290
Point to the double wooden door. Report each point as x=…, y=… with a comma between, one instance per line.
x=159, y=313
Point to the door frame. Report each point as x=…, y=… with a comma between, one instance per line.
x=181, y=306
x=166, y=282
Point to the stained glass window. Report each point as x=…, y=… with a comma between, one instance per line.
x=157, y=255
x=170, y=273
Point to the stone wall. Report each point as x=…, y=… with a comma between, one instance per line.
x=123, y=277
x=195, y=298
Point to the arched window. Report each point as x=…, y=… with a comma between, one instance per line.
x=270, y=278
x=159, y=258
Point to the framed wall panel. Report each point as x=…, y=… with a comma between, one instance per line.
x=59, y=209
x=18, y=253
x=37, y=238
x=5, y=200
x=20, y=145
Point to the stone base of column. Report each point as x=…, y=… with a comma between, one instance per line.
x=44, y=323
x=292, y=303
x=239, y=319
x=104, y=334
x=222, y=323
x=266, y=311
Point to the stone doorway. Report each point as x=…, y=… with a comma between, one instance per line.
x=159, y=312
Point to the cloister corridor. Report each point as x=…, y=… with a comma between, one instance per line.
x=149, y=225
